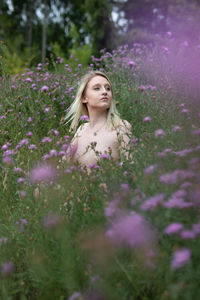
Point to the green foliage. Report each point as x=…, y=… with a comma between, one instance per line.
x=54, y=233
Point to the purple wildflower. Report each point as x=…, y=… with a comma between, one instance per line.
x=180, y=258
x=44, y=88
x=29, y=134
x=173, y=228
x=147, y=119
x=125, y=187
x=21, y=179
x=131, y=230
x=32, y=147
x=84, y=118
x=159, y=133
x=7, y=268
x=51, y=220
x=150, y=169
x=176, y=128
x=7, y=160
x=3, y=240
x=188, y=234
x=104, y=156
x=112, y=209
x=75, y=296
x=152, y=202
x=46, y=140
x=43, y=173
x=132, y=63
x=184, y=152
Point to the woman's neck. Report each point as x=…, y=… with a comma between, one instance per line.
x=97, y=118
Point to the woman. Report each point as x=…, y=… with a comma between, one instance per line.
x=105, y=133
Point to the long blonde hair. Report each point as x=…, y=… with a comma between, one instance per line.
x=78, y=108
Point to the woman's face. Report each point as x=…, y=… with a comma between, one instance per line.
x=98, y=94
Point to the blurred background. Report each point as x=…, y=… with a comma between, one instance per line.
x=32, y=31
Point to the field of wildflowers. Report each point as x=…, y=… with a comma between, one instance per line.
x=125, y=230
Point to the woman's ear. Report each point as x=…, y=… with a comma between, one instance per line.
x=85, y=100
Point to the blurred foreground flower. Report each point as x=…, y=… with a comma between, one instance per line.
x=51, y=220
x=180, y=258
x=7, y=268
x=43, y=173
x=131, y=230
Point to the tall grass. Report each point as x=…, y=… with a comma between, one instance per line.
x=125, y=230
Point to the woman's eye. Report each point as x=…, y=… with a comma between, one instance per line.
x=108, y=88
x=96, y=88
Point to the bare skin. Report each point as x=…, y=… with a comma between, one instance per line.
x=94, y=138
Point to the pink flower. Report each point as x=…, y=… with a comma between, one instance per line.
x=180, y=258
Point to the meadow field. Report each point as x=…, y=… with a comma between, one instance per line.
x=126, y=230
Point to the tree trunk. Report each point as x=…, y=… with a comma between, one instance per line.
x=30, y=27
x=44, y=33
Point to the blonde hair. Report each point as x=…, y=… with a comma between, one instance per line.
x=78, y=108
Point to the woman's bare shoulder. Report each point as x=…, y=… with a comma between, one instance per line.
x=80, y=129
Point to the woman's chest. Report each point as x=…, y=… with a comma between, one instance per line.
x=102, y=142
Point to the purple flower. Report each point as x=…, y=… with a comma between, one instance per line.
x=32, y=146
x=150, y=169
x=131, y=230
x=104, y=156
x=84, y=118
x=147, y=119
x=23, y=194
x=180, y=258
x=7, y=160
x=29, y=120
x=7, y=268
x=46, y=140
x=184, y=152
x=21, y=179
x=44, y=88
x=112, y=209
x=51, y=220
x=3, y=240
x=176, y=128
x=132, y=63
x=125, y=187
x=185, y=111
x=175, y=176
x=152, y=202
x=188, y=234
x=159, y=133
x=28, y=79
x=75, y=296
x=29, y=134
x=173, y=228
x=176, y=200
x=53, y=152
x=43, y=173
